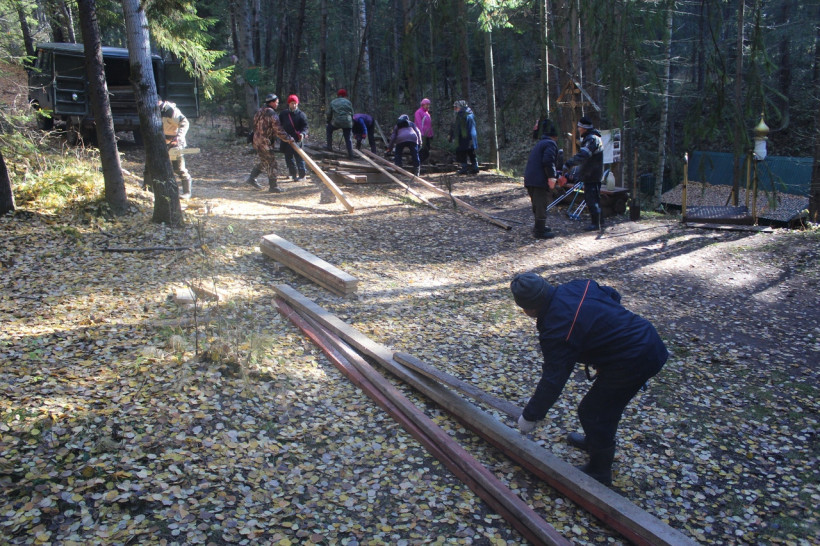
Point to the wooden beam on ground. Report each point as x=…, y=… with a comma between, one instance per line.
x=463, y=387
x=306, y=264
x=461, y=463
x=394, y=179
x=322, y=176
x=635, y=524
x=438, y=190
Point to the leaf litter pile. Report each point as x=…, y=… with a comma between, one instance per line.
x=127, y=417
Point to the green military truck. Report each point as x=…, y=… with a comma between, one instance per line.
x=58, y=90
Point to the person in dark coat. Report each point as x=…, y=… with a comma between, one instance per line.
x=540, y=176
x=582, y=321
x=364, y=127
x=295, y=124
x=466, y=137
x=590, y=159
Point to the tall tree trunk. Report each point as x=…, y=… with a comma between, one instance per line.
x=6, y=195
x=462, y=50
x=28, y=41
x=814, y=192
x=784, y=71
x=297, y=47
x=544, y=90
x=663, y=129
x=68, y=20
x=242, y=12
x=166, y=193
x=101, y=108
x=491, y=109
x=739, y=127
x=323, y=53
x=53, y=14
x=361, y=78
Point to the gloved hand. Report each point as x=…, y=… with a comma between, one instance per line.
x=525, y=426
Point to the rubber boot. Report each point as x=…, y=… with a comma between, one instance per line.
x=595, y=221
x=474, y=167
x=273, y=187
x=186, y=188
x=251, y=180
x=600, y=465
x=463, y=169
x=578, y=440
x=541, y=231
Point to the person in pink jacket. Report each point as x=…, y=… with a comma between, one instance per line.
x=424, y=123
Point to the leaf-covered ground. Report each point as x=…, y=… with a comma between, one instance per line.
x=123, y=420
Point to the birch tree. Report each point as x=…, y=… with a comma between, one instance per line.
x=665, y=82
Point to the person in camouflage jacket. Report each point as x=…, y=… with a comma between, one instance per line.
x=266, y=127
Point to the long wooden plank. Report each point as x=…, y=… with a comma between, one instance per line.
x=635, y=524
x=308, y=265
x=461, y=463
x=451, y=381
x=396, y=180
x=440, y=191
x=322, y=176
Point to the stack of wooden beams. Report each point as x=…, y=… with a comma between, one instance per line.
x=308, y=265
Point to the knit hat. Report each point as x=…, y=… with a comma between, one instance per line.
x=529, y=290
x=425, y=101
x=271, y=97
x=293, y=98
x=462, y=104
x=585, y=123
x=548, y=128
x=341, y=93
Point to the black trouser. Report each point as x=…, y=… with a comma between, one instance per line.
x=371, y=139
x=540, y=197
x=414, y=153
x=601, y=409
x=462, y=155
x=295, y=163
x=592, y=195
x=346, y=132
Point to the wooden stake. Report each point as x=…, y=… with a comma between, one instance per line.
x=322, y=176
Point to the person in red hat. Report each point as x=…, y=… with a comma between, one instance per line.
x=340, y=116
x=295, y=124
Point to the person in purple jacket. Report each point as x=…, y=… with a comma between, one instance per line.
x=582, y=321
x=364, y=127
x=405, y=135
x=424, y=122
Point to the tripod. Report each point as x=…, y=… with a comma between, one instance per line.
x=575, y=190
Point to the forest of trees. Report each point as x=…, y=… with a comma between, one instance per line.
x=673, y=76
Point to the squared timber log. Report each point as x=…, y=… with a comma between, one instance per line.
x=306, y=264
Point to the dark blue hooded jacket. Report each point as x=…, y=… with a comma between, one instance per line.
x=581, y=321
x=542, y=163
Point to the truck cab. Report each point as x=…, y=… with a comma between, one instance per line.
x=59, y=91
